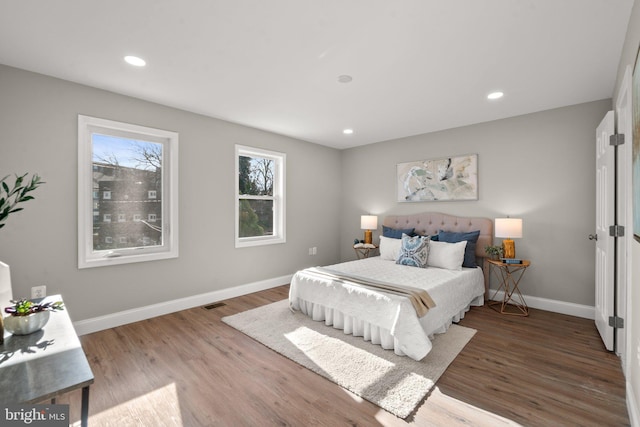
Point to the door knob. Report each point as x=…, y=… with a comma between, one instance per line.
x=593, y=237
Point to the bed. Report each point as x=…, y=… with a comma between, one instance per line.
x=335, y=295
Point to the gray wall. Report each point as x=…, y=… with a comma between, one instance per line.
x=38, y=123
x=540, y=167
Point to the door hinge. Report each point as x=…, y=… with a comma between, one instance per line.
x=616, y=139
x=616, y=231
x=616, y=322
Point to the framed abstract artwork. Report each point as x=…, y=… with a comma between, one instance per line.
x=635, y=158
x=443, y=179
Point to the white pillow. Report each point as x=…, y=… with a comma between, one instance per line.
x=390, y=248
x=446, y=255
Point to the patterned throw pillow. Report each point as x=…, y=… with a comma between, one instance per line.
x=414, y=251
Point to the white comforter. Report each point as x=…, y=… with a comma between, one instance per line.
x=385, y=319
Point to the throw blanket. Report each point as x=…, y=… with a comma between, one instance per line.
x=420, y=299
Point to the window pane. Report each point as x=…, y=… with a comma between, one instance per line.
x=256, y=176
x=256, y=218
x=126, y=172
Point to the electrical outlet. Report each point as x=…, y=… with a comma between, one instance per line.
x=314, y=250
x=39, y=291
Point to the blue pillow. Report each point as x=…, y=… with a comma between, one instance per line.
x=414, y=251
x=396, y=233
x=470, y=251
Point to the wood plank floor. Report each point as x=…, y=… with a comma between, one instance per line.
x=190, y=369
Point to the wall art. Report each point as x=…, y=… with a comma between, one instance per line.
x=443, y=179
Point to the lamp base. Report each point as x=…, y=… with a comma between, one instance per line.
x=508, y=248
x=368, y=236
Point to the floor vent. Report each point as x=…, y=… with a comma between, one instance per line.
x=214, y=305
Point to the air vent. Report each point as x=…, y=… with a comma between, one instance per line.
x=214, y=305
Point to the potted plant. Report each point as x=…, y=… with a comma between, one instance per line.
x=26, y=317
x=494, y=251
x=11, y=196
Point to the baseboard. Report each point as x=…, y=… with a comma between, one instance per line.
x=572, y=309
x=632, y=406
x=100, y=323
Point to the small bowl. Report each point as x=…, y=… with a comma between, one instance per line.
x=25, y=325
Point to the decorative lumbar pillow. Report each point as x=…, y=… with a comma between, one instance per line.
x=446, y=255
x=396, y=233
x=414, y=251
x=471, y=237
x=390, y=248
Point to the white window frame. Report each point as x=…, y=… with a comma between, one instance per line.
x=87, y=257
x=106, y=195
x=279, y=199
x=151, y=217
x=151, y=194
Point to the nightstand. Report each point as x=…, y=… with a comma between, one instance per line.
x=364, y=250
x=513, y=302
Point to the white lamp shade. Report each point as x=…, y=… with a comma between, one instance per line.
x=368, y=222
x=509, y=227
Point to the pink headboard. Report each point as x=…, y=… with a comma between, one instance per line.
x=430, y=222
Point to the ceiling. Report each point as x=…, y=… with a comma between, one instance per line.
x=418, y=66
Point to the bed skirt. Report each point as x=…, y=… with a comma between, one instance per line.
x=376, y=335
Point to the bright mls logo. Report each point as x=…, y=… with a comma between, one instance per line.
x=35, y=415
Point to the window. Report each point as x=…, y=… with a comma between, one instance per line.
x=152, y=217
x=151, y=194
x=123, y=163
x=260, y=197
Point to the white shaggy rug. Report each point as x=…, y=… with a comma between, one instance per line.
x=395, y=383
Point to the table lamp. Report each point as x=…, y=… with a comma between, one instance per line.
x=509, y=228
x=368, y=223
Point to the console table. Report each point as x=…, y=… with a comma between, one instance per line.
x=45, y=364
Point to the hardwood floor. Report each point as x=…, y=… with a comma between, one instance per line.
x=190, y=369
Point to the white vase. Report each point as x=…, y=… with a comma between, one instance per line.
x=25, y=325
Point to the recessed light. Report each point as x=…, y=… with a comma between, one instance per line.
x=345, y=78
x=134, y=60
x=495, y=95
x=347, y=131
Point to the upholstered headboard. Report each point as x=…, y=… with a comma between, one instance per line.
x=431, y=222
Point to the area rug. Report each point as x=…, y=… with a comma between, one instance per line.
x=397, y=384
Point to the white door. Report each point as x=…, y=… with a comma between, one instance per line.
x=605, y=204
x=623, y=169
